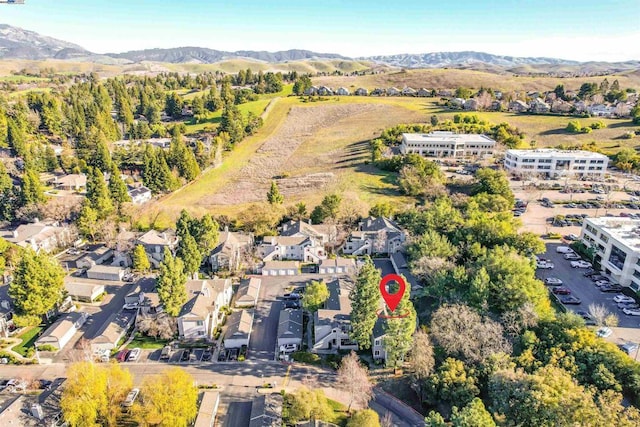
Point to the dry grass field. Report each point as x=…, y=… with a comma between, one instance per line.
x=453, y=78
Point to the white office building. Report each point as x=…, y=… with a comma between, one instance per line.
x=447, y=144
x=556, y=163
x=616, y=245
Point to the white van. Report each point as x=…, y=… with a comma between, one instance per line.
x=564, y=250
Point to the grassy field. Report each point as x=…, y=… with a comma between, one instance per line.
x=452, y=78
x=147, y=343
x=28, y=338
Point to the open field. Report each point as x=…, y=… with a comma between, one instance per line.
x=453, y=78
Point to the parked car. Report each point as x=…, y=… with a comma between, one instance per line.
x=44, y=384
x=552, y=281
x=206, y=356
x=590, y=272
x=564, y=250
x=288, y=348
x=166, y=352
x=186, y=355
x=571, y=237
x=629, y=347
x=130, y=306
x=588, y=320
x=134, y=355
x=292, y=304
x=122, y=356
x=561, y=290
x=580, y=264
x=631, y=311
x=611, y=288
x=598, y=277
x=622, y=305
x=623, y=298
x=292, y=296
x=570, y=300
x=572, y=257
x=604, y=332
x=546, y=265
x=131, y=398
x=602, y=283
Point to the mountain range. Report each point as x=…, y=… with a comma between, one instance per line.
x=18, y=43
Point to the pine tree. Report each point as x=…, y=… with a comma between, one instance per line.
x=399, y=332
x=273, y=196
x=190, y=254
x=171, y=284
x=32, y=191
x=208, y=233
x=117, y=187
x=183, y=224
x=365, y=301
x=140, y=259
x=87, y=221
x=98, y=193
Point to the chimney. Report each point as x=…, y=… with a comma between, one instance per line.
x=205, y=290
x=15, y=233
x=310, y=222
x=226, y=228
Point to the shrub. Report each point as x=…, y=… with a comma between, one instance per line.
x=305, y=357
x=47, y=347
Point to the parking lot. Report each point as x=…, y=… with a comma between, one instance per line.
x=582, y=287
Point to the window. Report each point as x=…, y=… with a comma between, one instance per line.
x=604, y=238
x=617, y=257
x=376, y=353
x=377, y=341
x=199, y=323
x=200, y=333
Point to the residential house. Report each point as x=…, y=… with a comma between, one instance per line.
x=202, y=313
x=423, y=93
x=39, y=236
x=375, y=236
x=408, y=91
x=393, y=91
x=623, y=109
x=560, y=106
x=325, y=233
x=187, y=111
x=154, y=243
x=97, y=256
x=228, y=254
x=313, y=90
x=538, y=106
x=343, y=91
x=300, y=248
x=208, y=409
x=457, y=102
x=601, y=110
x=83, y=291
x=445, y=93
x=471, y=104
x=247, y=295
x=361, y=92
x=401, y=267
x=6, y=313
x=580, y=106
x=496, y=106
x=113, y=273
x=379, y=92
x=266, y=411
x=60, y=333
x=290, y=328
x=325, y=91
x=332, y=323
x=377, y=340
x=71, y=182
x=139, y=195
x=239, y=325
x=148, y=300
x=337, y=265
x=518, y=106
x=280, y=268
x=498, y=94
x=112, y=331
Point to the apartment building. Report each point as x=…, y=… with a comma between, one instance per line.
x=548, y=162
x=447, y=144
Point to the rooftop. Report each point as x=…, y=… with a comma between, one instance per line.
x=60, y=328
x=266, y=411
x=248, y=291
x=269, y=265
x=86, y=289
x=560, y=154
x=208, y=408
x=445, y=136
x=625, y=230
x=290, y=324
x=153, y=237
x=239, y=324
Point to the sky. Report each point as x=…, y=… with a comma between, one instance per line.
x=585, y=30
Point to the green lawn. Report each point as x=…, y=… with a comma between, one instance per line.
x=147, y=343
x=339, y=413
x=28, y=338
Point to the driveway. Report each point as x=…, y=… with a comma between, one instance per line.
x=582, y=287
x=384, y=264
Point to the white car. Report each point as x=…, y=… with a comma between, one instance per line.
x=547, y=265
x=131, y=397
x=572, y=256
x=631, y=311
x=130, y=306
x=604, y=332
x=623, y=298
x=552, y=281
x=134, y=355
x=288, y=348
x=580, y=264
x=564, y=250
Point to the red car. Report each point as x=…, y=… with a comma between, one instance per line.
x=561, y=290
x=122, y=356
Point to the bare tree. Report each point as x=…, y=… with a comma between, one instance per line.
x=427, y=267
x=523, y=318
x=353, y=378
x=161, y=326
x=421, y=360
x=386, y=421
x=599, y=313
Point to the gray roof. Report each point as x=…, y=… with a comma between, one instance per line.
x=79, y=289
x=337, y=308
x=239, y=325
x=290, y=324
x=110, y=269
x=60, y=328
x=208, y=408
x=153, y=237
x=248, y=291
x=338, y=262
x=115, y=327
x=403, y=269
x=134, y=192
x=378, y=224
x=266, y=411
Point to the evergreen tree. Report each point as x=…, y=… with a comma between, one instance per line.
x=274, y=196
x=32, y=191
x=190, y=254
x=365, y=301
x=184, y=224
x=98, y=193
x=171, y=284
x=181, y=157
x=399, y=331
x=87, y=221
x=117, y=187
x=37, y=286
x=207, y=233
x=140, y=259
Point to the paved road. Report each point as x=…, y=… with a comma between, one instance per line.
x=582, y=287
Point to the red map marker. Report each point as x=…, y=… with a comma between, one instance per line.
x=392, y=300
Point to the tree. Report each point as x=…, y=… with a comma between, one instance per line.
x=37, y=286
x=117, y=187
x=421, y=360
x=384, y=209
x=463, y=92
x=434, y=120
x=273, y=196
x=364, y=418
x=140, y=259
x=315, y=294
x=171, y=284
x=353, y=378
x=399, y=331
x=452, y=384
x=87, y=221
x=84, y=400
x=365, y=300
x=328, y=208
x=168, y=399
x=119, y=384
x=305, y=404
x=206, y=233
x=493, y=182
x=474, y=414
x=190, y=254
x=160, y=326
x=32, y=191
x=301, y=84
x=98, y=193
